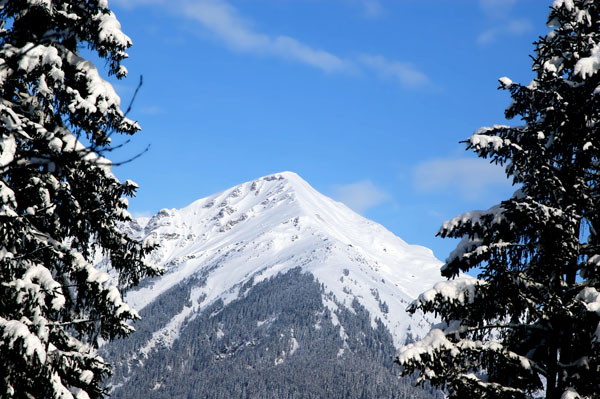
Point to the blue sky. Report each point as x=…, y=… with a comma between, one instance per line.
x=367, y=100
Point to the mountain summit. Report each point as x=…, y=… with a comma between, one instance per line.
x=260, y=240
x=273, y=224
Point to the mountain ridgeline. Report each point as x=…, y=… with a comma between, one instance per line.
x=272, y=290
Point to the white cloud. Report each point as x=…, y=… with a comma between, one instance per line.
x=467, y=178
x=151, y=110
x=223, y=20
x=372, y=8
x=134, y=3
x=403, y=72
x=501, y=23
x=497, y=7
x=360, y=196
x=226, y=24
x=514, y=27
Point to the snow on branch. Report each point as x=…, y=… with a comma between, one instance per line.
x=101, y=95
x=461, y=290
x=505, y=82
x=59, y=200
x=483, y=139
x=590, y=297
x=588, y=66
x=37, y=282
x=101, y=281
x=435, y=340
x=467, y=248
x=570, y=393
x=34, y=55
x=453, y=358
x=8, y=201
x=544, y=212
x=110, y=31
x=15, y=332
x=473, y=219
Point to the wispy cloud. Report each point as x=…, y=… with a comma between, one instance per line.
x=135, y=3
x=151, y=110
x=497, y=7
x=372, y=8
x=360, y=196
x=466, y=178
x=502, y=24
x=404, y=73
x=514, y=27
x=225, y=23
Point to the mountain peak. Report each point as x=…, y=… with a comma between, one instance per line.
x=255, y=230
x=272, y=281
x=285, y=175
x=276, y=198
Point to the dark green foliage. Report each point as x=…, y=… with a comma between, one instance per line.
x=531, y=325
x=59, y=202
x=245, y=349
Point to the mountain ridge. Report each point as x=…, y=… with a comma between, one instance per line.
x=287, y=222
x=272, y=290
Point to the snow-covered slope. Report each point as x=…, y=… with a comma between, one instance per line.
x=258, y=229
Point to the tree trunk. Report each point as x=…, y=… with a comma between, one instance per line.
x=551, y=389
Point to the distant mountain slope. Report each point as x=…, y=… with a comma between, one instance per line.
x=272, y=287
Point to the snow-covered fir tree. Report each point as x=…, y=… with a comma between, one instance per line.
x=529, y=325
x=59, y=202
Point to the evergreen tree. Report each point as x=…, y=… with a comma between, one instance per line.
x=529, y=326
x=60, y=205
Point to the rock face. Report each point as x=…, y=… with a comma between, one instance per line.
x=272, y=290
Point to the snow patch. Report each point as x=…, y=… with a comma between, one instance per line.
x=461, y=290
x=588, y=66
x=590, y=298
x=435, y=340
x=570, y=393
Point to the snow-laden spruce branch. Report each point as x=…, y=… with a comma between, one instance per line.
x=59, y=200
x=536, y=301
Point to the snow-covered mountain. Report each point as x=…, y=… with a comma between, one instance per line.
x=276, y=223
x=219, y=250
